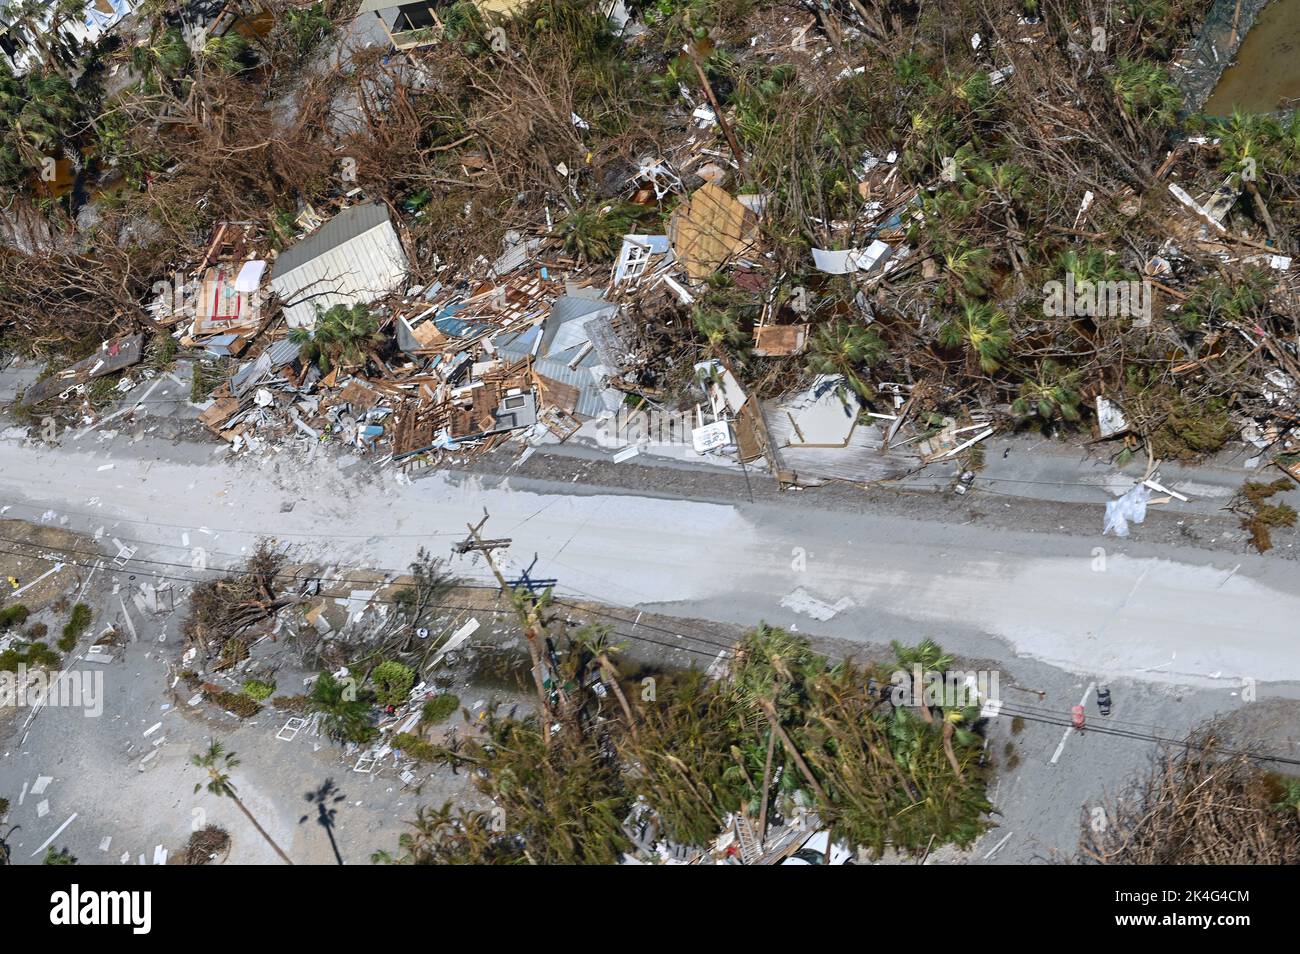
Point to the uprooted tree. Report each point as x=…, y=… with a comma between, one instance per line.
x=1201, y=803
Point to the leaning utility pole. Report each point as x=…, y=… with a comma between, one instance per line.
x=529, y=619
x=689, y=50
x=473, y=544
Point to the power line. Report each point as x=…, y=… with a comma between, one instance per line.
x=392, y=602
x=1143, y=737
x=1011, y=710
x=386, y=572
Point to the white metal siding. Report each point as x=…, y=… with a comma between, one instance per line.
x=358, y=271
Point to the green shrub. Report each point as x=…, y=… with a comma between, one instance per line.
x=12, y=616
x=75, y=626
x=29, y=654
x=345, y=716
x=393, y=682
x=240, y=705
x=439, y=708
x=417, y=748
x=258, y=690
x=594, y=233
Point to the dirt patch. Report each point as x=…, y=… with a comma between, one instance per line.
x=30, y=551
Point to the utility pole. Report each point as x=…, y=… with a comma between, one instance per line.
x=473, y=544
x=529, y=619
x=717, y=107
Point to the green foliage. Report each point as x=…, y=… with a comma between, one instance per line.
x=161, y=352
x=77, y=624
x=30, y=654
x=697, y=749
x=982, y=331
x=206, y=377
x=163, y=58
x=927, y=654
x=13, y=615
x=237, y=703
x=1049, y=396
x=594, y=232
x=1092, y=265
x=345, y=715
x=967, y=267
x=1289, y=801
x=422, y=750
x=1217, y=299
x=344, y=334
x=300, y=30
x=566, y=802
x=439, y=708
x=393, y=682
x=1145, y=91
x=719, y=328
x=441, y=836
x=1263, y=144
x=224, y=53
x=847, y=348
x=257, y=690
x=1177, y=426
x=39, y=113
x=58, y=856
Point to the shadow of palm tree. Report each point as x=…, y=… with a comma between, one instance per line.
x=325, y=798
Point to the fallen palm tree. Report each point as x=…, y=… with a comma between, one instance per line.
x=782, y=736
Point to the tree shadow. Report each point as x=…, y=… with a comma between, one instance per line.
x=325, y=798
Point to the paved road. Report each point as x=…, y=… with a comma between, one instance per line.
x=1176, y=630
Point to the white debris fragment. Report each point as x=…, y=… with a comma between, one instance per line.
x=1130, y=508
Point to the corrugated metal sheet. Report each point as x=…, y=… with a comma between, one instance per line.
x=566, y=325
x=590, y=402
x=254, y=372
x=354, y=258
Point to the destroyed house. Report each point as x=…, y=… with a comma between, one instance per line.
x=19, y=30
x=411, y=25
x=354, y=258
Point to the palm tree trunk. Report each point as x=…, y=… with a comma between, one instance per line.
x=948, y=731
x=611, y=680
x=261, y=831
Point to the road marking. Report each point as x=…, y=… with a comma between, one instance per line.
x=54, y=569
x=57, y=832
x=1083, y=702
x=994, y=850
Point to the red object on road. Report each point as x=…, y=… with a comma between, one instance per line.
x=1077, y=714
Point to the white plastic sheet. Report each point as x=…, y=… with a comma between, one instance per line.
x=1131, y=508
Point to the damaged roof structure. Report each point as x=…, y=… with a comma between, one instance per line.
x=354, y=258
